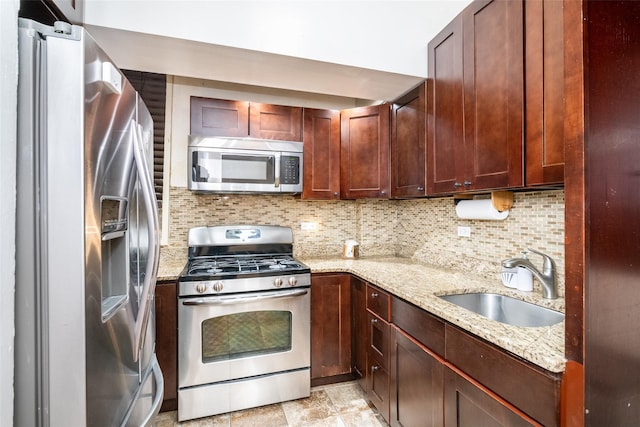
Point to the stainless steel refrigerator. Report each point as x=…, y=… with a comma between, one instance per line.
x=87, y=243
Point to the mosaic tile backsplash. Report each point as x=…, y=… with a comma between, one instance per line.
x=423, y=229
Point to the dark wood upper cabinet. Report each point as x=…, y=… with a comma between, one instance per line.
x=240, y=119
x=364, y=155
x=321, y=137
x=445, y=119
x=408, y=144
x=275, y=122
x=493, y=69
x=219, y=117
x=476, y=114
x=544, y=88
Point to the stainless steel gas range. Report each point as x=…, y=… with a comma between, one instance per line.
x=243, y=321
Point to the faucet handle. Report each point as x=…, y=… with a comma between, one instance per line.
x=548, y=262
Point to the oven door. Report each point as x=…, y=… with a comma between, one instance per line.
x=236, y=336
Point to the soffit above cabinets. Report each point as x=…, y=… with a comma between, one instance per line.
x=165, y=55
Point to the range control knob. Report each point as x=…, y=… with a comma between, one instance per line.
x=293, y=281
x=278, y=282
x=217, y=286
x=201, y=288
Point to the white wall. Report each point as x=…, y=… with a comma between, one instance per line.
x=387, y=35
x=8, y=89
x=365, y=49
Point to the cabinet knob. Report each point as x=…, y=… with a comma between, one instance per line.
x=457, y=185
x=335, y=194
x=467, y=183
x=383, y=192
x=374, y=294
x=374, y=368
x=374, y=320
x=420, y=188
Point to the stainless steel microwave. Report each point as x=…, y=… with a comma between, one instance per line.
x=244, y=165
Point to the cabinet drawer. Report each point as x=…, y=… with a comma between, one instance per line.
x=379, y=388
x=536, y=392
x=424, y=327
x=378, y=302
x=378, y=340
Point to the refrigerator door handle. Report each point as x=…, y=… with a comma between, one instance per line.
x=151, y=270
x=157, y=398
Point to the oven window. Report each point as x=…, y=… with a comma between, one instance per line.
x=247, y=334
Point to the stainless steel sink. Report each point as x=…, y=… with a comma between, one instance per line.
x=506, y=309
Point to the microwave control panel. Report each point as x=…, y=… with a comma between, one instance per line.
x=290, y=170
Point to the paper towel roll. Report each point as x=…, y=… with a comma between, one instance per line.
x=479, y=209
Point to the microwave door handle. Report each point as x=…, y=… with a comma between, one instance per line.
x=277, y=171
x=151, y=269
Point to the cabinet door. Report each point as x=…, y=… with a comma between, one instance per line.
x=219, y=117
x=466, y=403
x=167, y=340
x=321, y=137
x=493, y=62
x=364, y=155
x=275, y=122
x=445, y=128
x=330, y=325
x=544, y=50
x=408, y=144
x=359, y=330
x=416, y=397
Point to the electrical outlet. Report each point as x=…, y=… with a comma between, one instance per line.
x=464, y=231
x=308, y=226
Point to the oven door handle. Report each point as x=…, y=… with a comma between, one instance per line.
x=244, y=299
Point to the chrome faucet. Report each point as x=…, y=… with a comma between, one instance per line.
x=547, y=277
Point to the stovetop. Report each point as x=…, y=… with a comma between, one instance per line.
x=230, y=267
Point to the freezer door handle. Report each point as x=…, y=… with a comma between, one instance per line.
x=151, y=269
x=154, y=409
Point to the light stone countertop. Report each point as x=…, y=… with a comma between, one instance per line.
x=421, y=285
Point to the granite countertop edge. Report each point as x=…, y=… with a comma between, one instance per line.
x=421, y=284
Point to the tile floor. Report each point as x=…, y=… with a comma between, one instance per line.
x=339, y=405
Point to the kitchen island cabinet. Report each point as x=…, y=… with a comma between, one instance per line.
x=166, y=304
x=476, y=108
x=321, y=138
x=364, y=154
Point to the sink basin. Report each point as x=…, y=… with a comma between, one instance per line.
x=506, y=309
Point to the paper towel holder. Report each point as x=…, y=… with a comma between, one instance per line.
x=501, y=200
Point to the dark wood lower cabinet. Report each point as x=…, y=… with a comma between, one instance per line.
x=167, y=341
x=330, y=325
x=416, y=384
x=467, y=404
x=359, y=331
